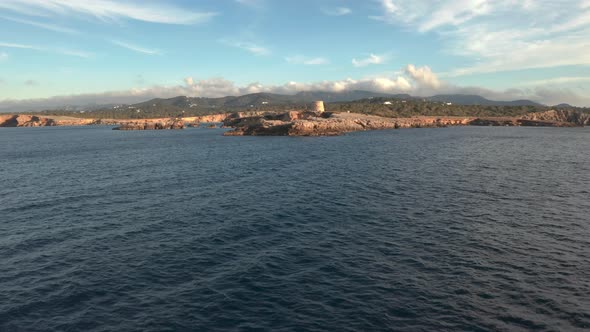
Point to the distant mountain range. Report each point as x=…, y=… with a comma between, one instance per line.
x=258, y=99
x=479, y=100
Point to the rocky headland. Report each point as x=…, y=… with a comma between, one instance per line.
x=329, y=124
x=26, y=121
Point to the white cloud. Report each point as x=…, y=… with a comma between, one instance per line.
x=424, y=76
x=63, y=51
x=219, y=87
x=303, y=60
x=554, y=96
x=557, y=80
x=389, y=6
x=338, y=11
x=426, y=15
x=417, y=81
x=189, y=81
x=372, y=59
x=22, y=46
x=135, y=48
x=3, y=56
x=248, y=46
x=500, y=35
x=46, y=26
x=75, y=53
x=109, y=10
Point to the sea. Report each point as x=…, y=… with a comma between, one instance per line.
x=446, y=229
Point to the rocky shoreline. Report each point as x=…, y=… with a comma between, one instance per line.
x=25, y=120
x=326, y=124
x=306, y=123
x=151, y=125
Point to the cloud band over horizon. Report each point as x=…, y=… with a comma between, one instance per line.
x=416, y=81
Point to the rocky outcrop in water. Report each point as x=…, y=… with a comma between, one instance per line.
x=25, y=121
x=326, y=124
x=151, y=125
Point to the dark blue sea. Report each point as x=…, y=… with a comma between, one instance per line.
x=451, y=229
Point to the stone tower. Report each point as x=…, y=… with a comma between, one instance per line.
x=318, y=106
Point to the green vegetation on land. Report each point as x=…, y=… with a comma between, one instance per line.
x=410, y=108
x=385, y=107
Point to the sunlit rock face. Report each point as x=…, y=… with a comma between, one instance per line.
x=302, y=123
x=25, y=121
x=326, y=124
x=560, y=116
x=151, y=125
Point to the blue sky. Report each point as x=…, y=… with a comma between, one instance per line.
x=84, y=51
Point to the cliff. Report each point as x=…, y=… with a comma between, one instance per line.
x=560, y=116
x=25, y=121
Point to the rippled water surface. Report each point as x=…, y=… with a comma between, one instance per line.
x=468, y=228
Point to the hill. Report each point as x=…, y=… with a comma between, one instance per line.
x=460, y=99
x=354, y=101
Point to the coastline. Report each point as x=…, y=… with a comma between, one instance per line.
x=305, y=123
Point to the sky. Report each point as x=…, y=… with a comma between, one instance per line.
x=58, y=52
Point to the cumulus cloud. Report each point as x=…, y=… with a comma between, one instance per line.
x=492, y=36
x=372, y=59
x=303, y=60
x=109, y=10
x=414, y=80
x=189, y=81
x=424, y=76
